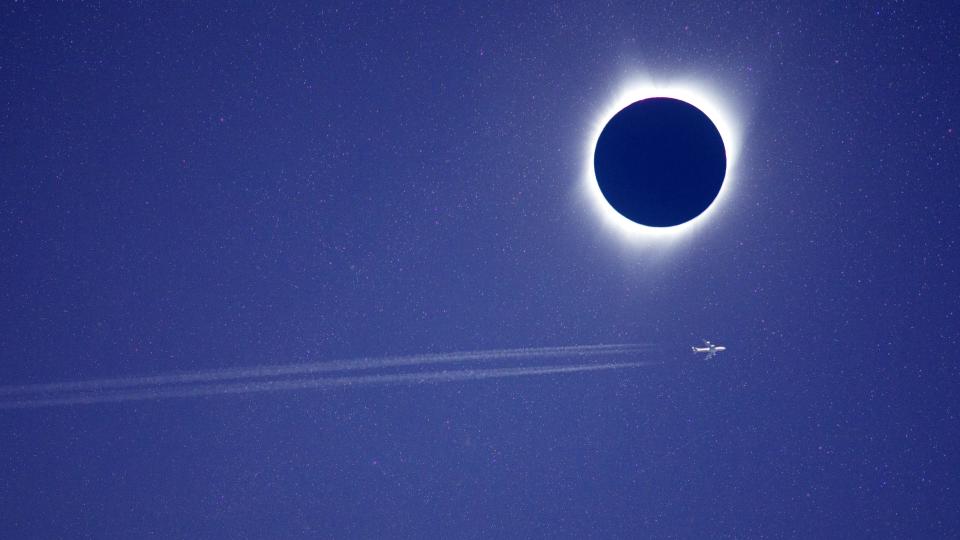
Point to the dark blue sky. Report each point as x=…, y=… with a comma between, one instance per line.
x=186, y=188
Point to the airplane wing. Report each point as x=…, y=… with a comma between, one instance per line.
x=710, y=355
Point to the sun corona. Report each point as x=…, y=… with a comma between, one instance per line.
x=694, y=94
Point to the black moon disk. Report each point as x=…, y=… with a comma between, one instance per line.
x=660, y=162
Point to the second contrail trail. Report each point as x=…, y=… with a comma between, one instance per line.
x=244, y=387
x=270, y=371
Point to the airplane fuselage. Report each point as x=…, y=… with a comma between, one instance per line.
x=710, y=350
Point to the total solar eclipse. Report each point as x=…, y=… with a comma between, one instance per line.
x=660, y=162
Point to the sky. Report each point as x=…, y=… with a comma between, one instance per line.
x=194, y=188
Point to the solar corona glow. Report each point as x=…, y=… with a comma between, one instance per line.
x=636, y=137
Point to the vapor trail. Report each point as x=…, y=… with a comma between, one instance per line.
x=267, y=371
x=196, y=390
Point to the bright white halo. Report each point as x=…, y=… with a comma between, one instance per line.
x=694, y=94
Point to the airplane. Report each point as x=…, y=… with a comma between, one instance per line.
x=710, y=349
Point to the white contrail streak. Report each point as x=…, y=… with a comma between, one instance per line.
x=196, y=390
x=268, y=371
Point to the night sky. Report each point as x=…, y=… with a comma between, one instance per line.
x=194, y=188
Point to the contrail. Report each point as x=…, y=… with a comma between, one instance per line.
x=269, y=371
x=196, y=390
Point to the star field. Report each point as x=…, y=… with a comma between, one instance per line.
x=199, y=187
